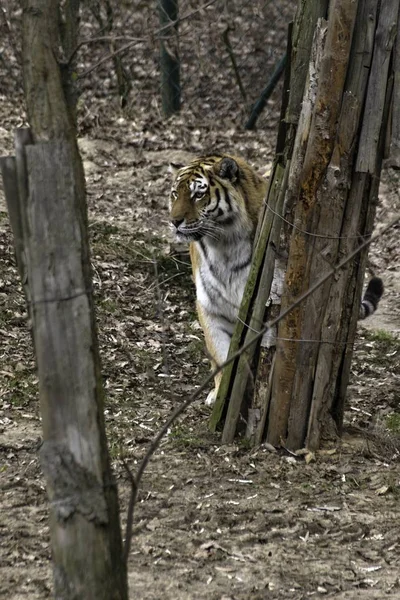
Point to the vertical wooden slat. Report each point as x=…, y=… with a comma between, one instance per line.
x=337, y=331
x=8, y=166
x=394, y=154
x=243, y=372
x=377, y=87
x=307, y=15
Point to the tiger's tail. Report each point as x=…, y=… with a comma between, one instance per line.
x=371, y=298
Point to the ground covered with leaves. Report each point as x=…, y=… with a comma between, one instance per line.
x=213, y=522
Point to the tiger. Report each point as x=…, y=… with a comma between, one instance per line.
x=214, y=205
x=372, y=295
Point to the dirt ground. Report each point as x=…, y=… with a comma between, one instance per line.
x=213, y=522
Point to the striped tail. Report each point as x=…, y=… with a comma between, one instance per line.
x=371, y=298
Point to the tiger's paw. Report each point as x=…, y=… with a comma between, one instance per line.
x=211, y=398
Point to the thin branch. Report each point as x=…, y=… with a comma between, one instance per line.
x=227, y=42
x=156, y=33
x=129, y=520
x=265, y=94
x=182, y=407
x=105, y=38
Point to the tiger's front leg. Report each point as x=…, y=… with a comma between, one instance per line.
x=218, y=334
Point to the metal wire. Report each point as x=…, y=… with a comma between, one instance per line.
x=318, y=235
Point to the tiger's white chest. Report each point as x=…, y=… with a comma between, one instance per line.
x=222, y=275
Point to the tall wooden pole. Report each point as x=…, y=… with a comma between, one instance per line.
x=336, y=132
x=335, y=205
x=84, y=517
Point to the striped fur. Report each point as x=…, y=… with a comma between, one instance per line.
x=371, y=298
x=214, y=205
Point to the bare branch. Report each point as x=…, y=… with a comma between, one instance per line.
x=227, y=42
x=156, y=33
x=129, y=521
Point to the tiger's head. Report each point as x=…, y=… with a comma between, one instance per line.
x=215, y=197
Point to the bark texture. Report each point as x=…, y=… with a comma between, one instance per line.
x=338, y=184
x=238, y=375
x=85, y=530
x=336, y=136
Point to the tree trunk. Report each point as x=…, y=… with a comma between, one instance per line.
x=394, y=133
x=169, y=57
x=69, y=18
x=85, y=531
x=294, y=362
x=335, y=158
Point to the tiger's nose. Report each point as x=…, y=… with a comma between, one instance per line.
x=177, y=222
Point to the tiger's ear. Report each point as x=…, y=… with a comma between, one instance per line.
x=227, y=168
x=174, y=168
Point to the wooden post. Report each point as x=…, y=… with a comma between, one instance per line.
x=15, y=179
x=335, y=205
x=85, y=535
x=365, y=195
x=86, y=539
x=294, y=363
x=84, y=517
x=307, y=15
x=394, y=133
x=335, y=158
x=8, y=166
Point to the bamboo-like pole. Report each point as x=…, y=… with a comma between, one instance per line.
x=262, y=240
